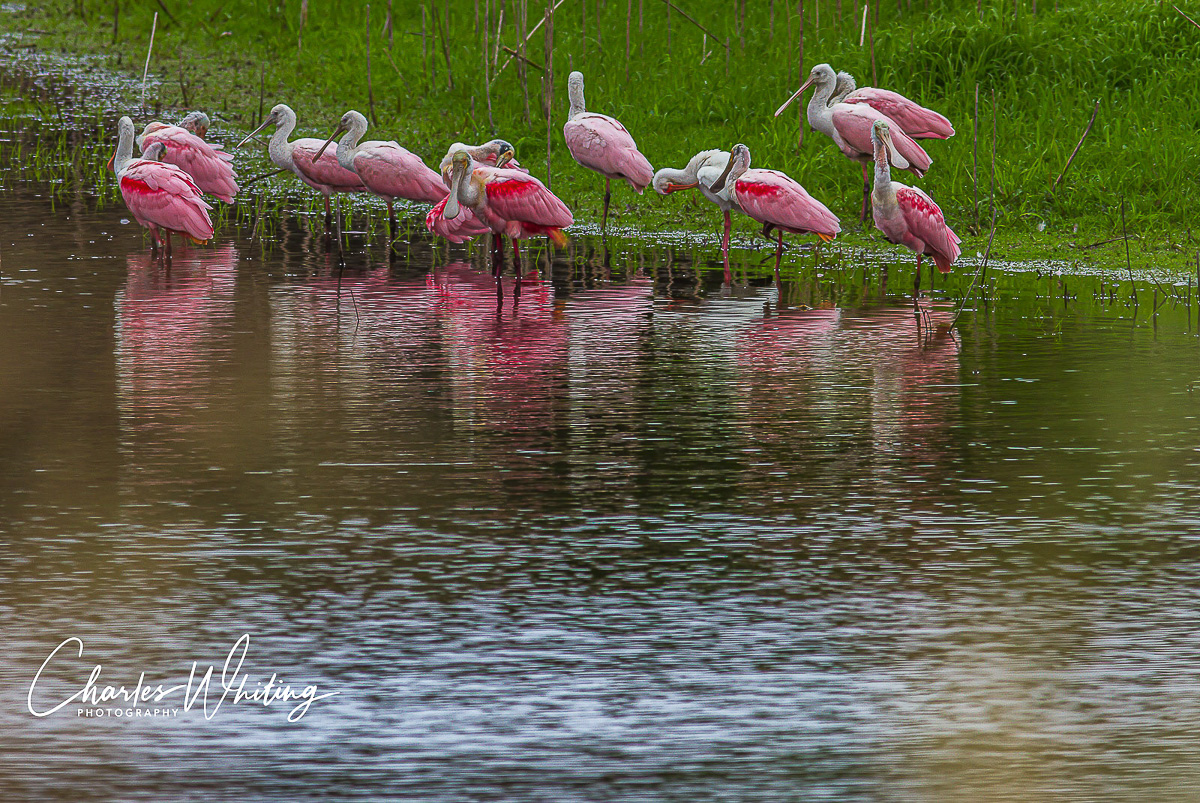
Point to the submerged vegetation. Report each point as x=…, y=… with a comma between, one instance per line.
x=695, y=74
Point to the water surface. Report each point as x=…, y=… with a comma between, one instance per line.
x=634, y=537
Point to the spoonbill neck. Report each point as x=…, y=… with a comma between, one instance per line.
x=882, y=191
x=279, y=148
x=347, y=147
x=575, y=93
x=124, y=150
x=820, y=111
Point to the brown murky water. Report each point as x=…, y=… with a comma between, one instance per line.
x=633, y=538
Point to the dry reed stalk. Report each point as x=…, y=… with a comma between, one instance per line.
x=549, y=86
x=149, y=50
x=628, y=25
x=1128, y=263
x=370, y=92
x=522, y=73
x=1078, y=145
x=800, y=72
x=874, y=25
x=975, y=154
x=487, y=84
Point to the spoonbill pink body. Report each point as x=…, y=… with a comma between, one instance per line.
x=508, y=202
x=775, y=200
x=907, y=216
x=496, y=152
x=161, y=196
x=207, y=164
x=384, y=168
x=911, y=117
x=299, y=156
x=601, y=143
x=849, y=126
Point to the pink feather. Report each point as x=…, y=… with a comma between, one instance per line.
x=926, y=223
x=913, y=118
x=391, y=171
x=325, y=174
x=162, y=195
x=853, y=121
x=770, y=196
x=459, y=230
x=513, y=196
x=601, y=143
x=208, y=164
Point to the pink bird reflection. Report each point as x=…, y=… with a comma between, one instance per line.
x=506, y=360
x=824, y=380
x=173, y=337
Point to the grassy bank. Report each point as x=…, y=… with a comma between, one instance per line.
x=678, y=90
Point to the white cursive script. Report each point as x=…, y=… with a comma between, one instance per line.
x=233, y=687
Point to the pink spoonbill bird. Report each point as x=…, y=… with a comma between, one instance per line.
x=494, y=153
x=197, y=123
x=489, y=153
x=701, y=172
x=385, y=168
x=911, y=117
x=775, y=200
x=906, y=215
x=849, y=126
x=324, y=175
x=508, y=202
x=601, y=143
x=161, y=196
x=206, y=163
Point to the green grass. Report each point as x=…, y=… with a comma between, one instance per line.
x=1141, y=61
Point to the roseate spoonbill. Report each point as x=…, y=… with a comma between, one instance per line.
x=206, y=163
x=911, y=117
x=488, y=153
x=906, y=215
x=385, y=168
x=701, y=172
x=849, y=126
x=601, y=143
x=324, y=175
x=161, y=196
x=495, y=153
x=196, y=122
x=775, y=200
x=508, y=202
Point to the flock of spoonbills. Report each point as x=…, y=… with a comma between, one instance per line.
x=482, y=188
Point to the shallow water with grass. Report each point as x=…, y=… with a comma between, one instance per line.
x=635, y=535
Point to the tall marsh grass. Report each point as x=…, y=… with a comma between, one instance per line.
x=677, y=90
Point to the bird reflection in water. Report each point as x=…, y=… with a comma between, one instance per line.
x=173, y=332
x=887, y=401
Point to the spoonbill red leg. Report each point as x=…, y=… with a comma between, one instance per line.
x=607, y=198
x=725, y=248
x=497, y=254
x=517, y=259
x=917, y=284
x=391, y=221
x=328, y=216
x=778, y=252
x=338, y=217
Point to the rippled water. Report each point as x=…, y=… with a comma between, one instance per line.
x=635, y=537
